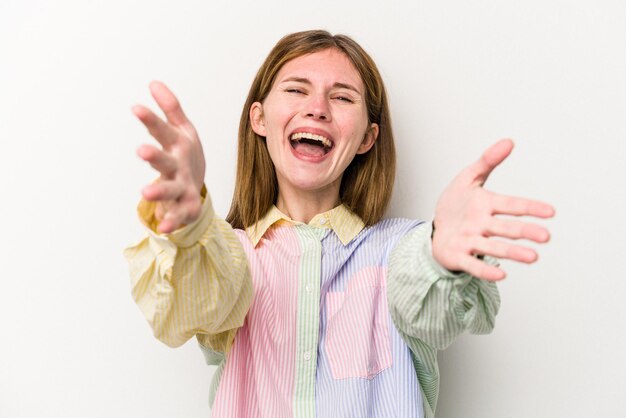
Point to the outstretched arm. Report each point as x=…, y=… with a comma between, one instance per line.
x=431, y=305
x=195, y=279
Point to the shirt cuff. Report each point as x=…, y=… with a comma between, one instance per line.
x=183, y=237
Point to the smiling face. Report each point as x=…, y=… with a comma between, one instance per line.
x=315, y=121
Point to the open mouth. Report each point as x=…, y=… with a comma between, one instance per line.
x=310, y=144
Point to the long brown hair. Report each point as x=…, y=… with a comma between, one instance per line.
x=366, y=184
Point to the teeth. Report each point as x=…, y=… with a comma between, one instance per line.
x=300, y=135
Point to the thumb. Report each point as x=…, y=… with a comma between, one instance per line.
x=491, y=158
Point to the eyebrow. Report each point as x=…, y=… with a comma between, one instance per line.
x=335, y=85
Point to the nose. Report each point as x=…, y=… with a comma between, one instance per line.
x=317, y=107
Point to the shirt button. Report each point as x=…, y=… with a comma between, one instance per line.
x=309, y=288
x=307, y=355
x=323, y=221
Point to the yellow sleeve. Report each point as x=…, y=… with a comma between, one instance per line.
x=195, y=280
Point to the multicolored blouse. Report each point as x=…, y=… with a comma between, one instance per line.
x=327, y=319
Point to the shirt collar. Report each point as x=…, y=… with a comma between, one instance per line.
x=345, y=223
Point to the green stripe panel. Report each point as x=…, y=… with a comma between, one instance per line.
x=308, y=320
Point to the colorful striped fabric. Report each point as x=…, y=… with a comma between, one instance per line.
x=345, y=321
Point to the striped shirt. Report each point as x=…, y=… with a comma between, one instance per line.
x=325, y=319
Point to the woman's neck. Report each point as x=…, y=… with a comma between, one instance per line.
x=302, y=206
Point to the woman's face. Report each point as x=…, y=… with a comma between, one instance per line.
x=315, y=121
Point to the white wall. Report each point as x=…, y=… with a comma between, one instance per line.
x=460, y=75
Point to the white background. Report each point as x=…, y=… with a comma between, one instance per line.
x=460, y=75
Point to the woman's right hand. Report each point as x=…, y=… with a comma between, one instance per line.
x=179, y=160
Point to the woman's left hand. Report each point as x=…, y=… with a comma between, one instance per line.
x=466, y=221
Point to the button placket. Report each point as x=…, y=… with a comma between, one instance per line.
x=308, y=317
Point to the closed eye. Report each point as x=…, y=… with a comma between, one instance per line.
x=294, y=90
x=344, y=99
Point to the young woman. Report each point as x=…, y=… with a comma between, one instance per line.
x=311, y=304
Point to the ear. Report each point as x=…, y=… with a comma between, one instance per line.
x=256, y=119
x=369, y=139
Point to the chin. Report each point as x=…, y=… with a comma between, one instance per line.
x=309, y=185
x=306, y=182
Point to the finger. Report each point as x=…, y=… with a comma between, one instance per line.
x=193, y=206
x=519, y=206
x=158, y=159
x=168, y=102
x=163, y=190
x=160, y=130
x=517, y=230
x=501, y=249
x=480, y=269
x=490, y=159
x=172, y=219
